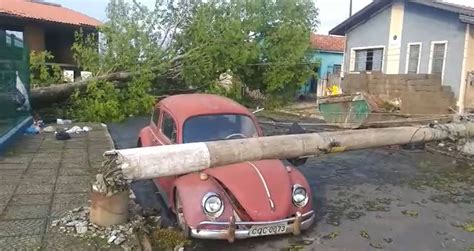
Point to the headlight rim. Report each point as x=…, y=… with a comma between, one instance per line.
x=302, y=203
x=211, y=215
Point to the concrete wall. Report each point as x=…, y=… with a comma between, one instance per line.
x=411, y=89
x=373, y=32
x=424, y=24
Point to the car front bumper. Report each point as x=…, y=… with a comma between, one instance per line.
x=232, y=232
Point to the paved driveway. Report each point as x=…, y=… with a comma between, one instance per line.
x=41, y=179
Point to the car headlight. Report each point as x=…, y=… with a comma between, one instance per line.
x=299, y=196
x=212, y=205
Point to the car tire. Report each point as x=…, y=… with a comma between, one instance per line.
x=180, y=216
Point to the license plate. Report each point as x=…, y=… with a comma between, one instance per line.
x=261, y=230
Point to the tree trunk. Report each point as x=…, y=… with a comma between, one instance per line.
x=158, y=161
x=56, y=93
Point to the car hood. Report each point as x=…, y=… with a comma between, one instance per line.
x=262, y=188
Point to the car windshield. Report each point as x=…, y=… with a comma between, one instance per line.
x=218, y=127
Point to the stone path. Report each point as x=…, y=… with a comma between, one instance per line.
x=42, y=178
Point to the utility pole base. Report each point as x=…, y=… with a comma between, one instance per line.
x=109, y=210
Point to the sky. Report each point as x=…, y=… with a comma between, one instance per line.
x=331, y=12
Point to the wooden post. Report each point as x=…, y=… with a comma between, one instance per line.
x=158, y=161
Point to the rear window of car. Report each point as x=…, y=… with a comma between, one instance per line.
x=218, y=127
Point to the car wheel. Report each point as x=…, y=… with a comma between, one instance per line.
x=180, y=216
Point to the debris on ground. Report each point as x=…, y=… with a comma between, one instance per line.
x=364, y=234
x=76, y=223
x=376, y=245
x=49, y=129
x=63, y=121
x=410, y=213
x=461, y=149
x=332, y=235
x=77, y=129
x=469, y=226
x=62, y=135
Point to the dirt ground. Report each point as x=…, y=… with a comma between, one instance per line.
x=385, y=198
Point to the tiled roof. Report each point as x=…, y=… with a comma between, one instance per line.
x=43, y=11
x=327, y=43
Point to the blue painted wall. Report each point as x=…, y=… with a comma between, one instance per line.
x=327, y=61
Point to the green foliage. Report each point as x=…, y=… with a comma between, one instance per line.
x=40, y=74
x=100, y=102
x=263, y=43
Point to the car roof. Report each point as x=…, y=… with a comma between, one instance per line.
x=185, y=106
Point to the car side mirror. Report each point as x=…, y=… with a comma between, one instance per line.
x=297, y=129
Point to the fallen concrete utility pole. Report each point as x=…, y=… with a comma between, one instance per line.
x=158, y=161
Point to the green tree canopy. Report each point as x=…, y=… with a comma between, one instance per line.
x=263, y=43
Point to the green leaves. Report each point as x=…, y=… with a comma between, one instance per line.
x=41, y=74
x=262, y=43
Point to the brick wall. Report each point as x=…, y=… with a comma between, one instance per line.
x=419, y=94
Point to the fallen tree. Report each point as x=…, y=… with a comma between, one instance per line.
x=158, y=161
x=56, y=93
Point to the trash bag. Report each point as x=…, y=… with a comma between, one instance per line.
x=62, y=135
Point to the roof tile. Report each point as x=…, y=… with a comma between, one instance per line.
x=327, y=43
x=31, y=9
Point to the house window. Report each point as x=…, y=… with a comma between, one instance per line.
x=368, y=60
x=437, y=59
x=414, y=51
x=168, y=127
x=336, y=69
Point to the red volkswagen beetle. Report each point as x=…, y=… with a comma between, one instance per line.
x=248, y=199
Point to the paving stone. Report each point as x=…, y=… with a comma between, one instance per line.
x=21, y=243
x=51, y=172
x=34, y=188
x=74, y=179
x=31, y=199
x=70, y=164
x=15, y=160
x=60, y=241
x=38, y=180
x=6, y=189
x=3, y=205
x=75, y=171
x=53, y=155
x=55, y=150
x=82, y=150
x=13, y=166
x=11, y=172
x=70, y=199
x=54, y=160
x=10, y=176
x=84, y=161
x=15, y=212
x=61, y=210
x=22, y=227
x=76, y=145
x=38, y=165
x=75, y=155
x=83, y=187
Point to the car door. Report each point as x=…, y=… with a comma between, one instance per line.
x=166, y=135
